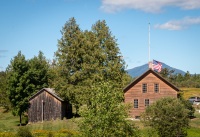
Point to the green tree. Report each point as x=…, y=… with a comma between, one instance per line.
x=86, y=57
x=111, y=64
x=168, y=74
x=4, y=101
x=168, y=117
x=25, y=77
x=187, y=104
x=17, y=71
x=38, y=73
x=69, y=61
x=179, y=80
x=106, y=115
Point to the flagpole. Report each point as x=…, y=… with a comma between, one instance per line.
x=149, y=42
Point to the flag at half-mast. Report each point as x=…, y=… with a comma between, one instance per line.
x=157, y=65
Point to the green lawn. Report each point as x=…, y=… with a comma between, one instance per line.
x=69, y=124
x=8, y=122
x=9, y=125
x=194, y=130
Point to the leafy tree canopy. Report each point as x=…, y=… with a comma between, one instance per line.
x=25, y=77
x=106, y=115
x=168, y=117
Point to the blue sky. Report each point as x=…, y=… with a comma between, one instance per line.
x=31, y=26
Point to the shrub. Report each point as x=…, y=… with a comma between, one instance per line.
x=24, y=132
x=168, y=117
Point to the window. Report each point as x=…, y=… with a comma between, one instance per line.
x=137, y=117
x=156, y=87
x=135, y=103
x=146, y=102
x=144, y=87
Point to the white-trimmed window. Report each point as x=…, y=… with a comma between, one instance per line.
x=144, y=88
x=146, y=102
x=135, y=103
x=156, y=87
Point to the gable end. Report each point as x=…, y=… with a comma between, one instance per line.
x=47, y=90
x=144, y=75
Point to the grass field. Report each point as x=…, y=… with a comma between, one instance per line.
x=189, y=92
x=9, y=123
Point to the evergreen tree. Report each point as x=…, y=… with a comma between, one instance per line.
x=69, y=59
x=111, y=64
x=84, y=58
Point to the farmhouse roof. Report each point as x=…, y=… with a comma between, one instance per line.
x=144, y=75
x=50, y=91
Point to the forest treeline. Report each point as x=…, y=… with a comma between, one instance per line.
x=182, y=81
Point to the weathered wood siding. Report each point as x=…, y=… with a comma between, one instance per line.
x=135, y=92
x=44, y=106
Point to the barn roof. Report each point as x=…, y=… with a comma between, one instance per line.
x=144, y=75
x=50, y=91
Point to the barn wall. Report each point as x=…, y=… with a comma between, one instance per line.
x=135, y=92
x=52, y=107
x=50, y=110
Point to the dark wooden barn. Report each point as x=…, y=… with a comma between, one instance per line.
x=46, y=105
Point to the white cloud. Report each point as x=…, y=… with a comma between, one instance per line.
x=152, y=6
x=179, y=24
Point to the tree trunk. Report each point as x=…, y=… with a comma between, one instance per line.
x=20, y=119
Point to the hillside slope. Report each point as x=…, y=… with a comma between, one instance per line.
x=137, y=71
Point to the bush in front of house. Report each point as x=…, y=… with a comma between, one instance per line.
x=168, y=117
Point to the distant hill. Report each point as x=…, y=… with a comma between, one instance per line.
x=137, y=71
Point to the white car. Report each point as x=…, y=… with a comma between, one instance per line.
x=194, y=99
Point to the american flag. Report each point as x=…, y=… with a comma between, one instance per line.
x=157, y=65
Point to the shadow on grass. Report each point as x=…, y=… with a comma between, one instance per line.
x=23, y=124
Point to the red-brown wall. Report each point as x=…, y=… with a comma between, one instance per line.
x=135, y=92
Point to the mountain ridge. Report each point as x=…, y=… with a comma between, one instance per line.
x=138, y=71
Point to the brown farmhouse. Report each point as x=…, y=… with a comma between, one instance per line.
x=146, y=89
x=46, y=105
